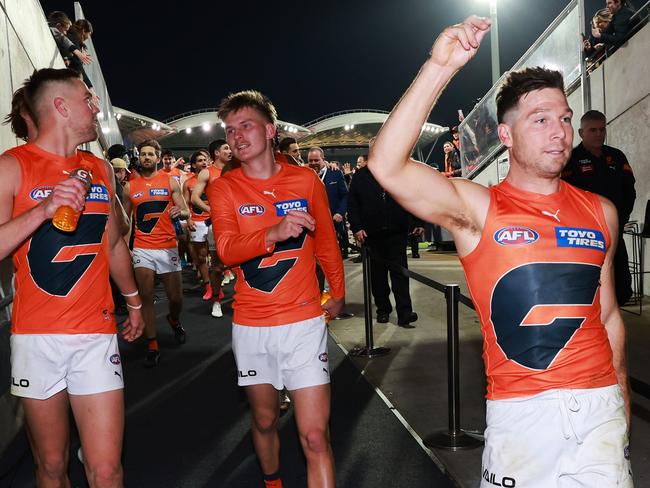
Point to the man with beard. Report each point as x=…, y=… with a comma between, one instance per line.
x=155, y=199
x=64, y=350
x=272, y=222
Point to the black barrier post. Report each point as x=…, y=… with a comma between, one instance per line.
x=454, y=438
x=370, y=351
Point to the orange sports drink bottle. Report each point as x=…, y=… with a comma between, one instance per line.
x=323, y=299
x=66, y=218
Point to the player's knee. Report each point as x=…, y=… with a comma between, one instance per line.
x=104, y=474
x=315, y=441
x=53, y=466
x=265, y=423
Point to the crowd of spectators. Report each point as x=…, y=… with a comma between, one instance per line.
x=71, y=40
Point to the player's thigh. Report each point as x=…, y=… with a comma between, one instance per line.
x=48, y=425
x=312, y=408
x=144, y=278
x=265, y=405
x=173, y=284
x=100, y=421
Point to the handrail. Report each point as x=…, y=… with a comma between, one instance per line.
x=6, y=301
x=640, y=9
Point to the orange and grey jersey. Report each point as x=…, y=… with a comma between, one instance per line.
x=151, y=199
x=275, y=285
x=62, y=278
x=198, y=214
x=535, y=281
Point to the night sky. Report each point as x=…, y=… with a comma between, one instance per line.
x=311, y=58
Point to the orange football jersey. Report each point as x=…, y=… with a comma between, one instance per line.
x=278, y=285
x=198, y=215
x=214, y=173
x=62, y=278
x=535, y=281
x=151, y=199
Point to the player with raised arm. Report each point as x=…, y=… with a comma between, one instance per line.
x=537, y=255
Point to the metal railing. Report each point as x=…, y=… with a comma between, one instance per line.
x=454, y=438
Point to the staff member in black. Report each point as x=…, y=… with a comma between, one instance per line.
x=379, y=222
x=604, y=170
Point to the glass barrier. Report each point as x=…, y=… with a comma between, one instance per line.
x=557, y=48
x=110, y=131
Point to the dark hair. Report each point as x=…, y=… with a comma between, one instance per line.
x=116, y=151
x=150, y=143
x=196, y=154
x=248, y=98
x=215, y=146
x=16, y=118
x=364, y=156
x=519, y=83
x=26, y=98
x=593, y=116
x=57, y=18
x=166, y=152
x=79, y=27
x=285, y=143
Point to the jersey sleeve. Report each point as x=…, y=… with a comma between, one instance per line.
x=325, y=243
x=233, y=246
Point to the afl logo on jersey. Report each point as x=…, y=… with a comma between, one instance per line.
x=251, y=210
x=515, y=236
x=137, y=195
x=40, y=193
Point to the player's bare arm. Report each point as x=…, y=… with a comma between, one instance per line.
x=187, y=196
x=610, y=314
x=119, y=259
x=201, y=182
x=179, y=207
x=458, y=205
x=13, y=232
x=128, y=204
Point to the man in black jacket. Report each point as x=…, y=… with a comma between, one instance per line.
x=619, y=28
x=380, y=223
x=604, y=170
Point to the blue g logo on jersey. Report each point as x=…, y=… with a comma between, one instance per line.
x=283, y=208
x=515, y=236
x=251, y=210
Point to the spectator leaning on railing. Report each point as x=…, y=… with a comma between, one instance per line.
x=78, y=34
x=619, y=28
x=60, y=24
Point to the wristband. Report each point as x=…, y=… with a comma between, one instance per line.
x=134, y=307
x=135, y=293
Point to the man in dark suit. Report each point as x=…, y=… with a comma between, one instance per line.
x=337, y=193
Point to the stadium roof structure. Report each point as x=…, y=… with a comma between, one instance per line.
x=137, y=128
x=355, y=128
x=347, y=130
x=196, y=129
